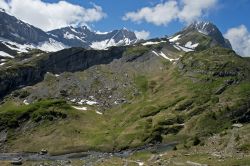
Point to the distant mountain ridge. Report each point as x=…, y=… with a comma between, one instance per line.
x=84, y=37
x=17, y=36
x=21, y=37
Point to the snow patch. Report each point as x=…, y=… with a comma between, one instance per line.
x=26, y=102
x=203, y=32
x=102, y=45
x=152, y=43
x=1, y=64
x=68, y=35
x=190, y=45
x=101, y=33
x=80, y=108
x=51, y=46
x=4, y=54
x=89, y=102
x=16, y=46
x=73, y=30
x=83, y=101
x=140, y=163
x=185, y=49
x=98, y=112
x=48, y=46
x=164, y=56
x=155, y=53
x=173, y=39
x=73, y=100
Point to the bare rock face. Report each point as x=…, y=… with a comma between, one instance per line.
x=17, y=31
x=73, y=59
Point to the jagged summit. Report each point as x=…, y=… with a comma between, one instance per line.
x=85, y=37
x=204, y=27
x=204, y=34
x=211, y=30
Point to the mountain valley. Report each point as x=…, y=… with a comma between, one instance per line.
x=111, y=93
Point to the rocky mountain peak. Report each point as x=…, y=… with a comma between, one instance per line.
x=204, y=27
x=208, y=29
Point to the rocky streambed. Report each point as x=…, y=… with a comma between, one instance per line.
x=88, y=156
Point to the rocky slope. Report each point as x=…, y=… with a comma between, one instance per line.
x=150, y=97
x=30, y=71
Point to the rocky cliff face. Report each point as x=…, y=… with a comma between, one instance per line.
x=17, y=31
x=73, y=59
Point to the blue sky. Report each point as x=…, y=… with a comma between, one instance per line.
x=226, y=14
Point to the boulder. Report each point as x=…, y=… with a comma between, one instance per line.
x=17, y=161
x=43, y=152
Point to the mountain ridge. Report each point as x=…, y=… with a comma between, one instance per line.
x=84, y=37
x=25, y=37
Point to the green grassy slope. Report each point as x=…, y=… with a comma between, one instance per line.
x=203, y=94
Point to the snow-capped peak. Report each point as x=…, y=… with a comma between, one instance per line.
x=204, y=27
x=201, y=24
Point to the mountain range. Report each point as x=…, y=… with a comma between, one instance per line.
x=17, y=36
x=23, y=36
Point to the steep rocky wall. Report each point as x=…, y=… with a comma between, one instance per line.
x=69, y=60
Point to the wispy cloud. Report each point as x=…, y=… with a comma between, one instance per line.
x=161, y=14
x=240, y=39
x=165, y=12
x=48, y=16
x=142, y=34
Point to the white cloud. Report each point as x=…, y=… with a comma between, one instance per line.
x=165, y=12
x=142, y=34
x=3, y=5
x=48, y=16
x=161, y=14
x=194, y=9
x=240, y=39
